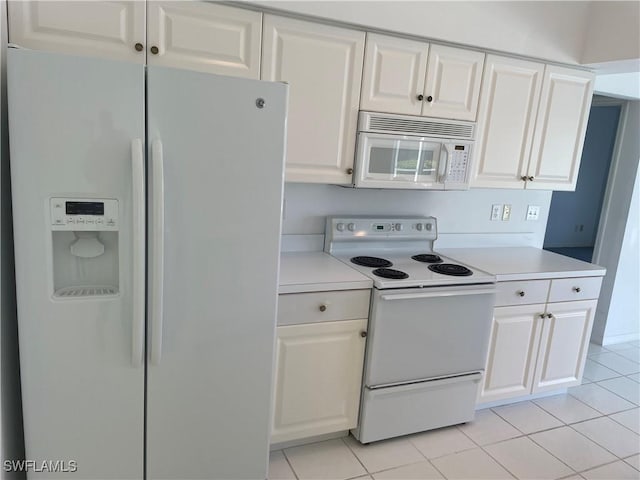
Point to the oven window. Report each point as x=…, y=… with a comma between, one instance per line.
x=401, y=161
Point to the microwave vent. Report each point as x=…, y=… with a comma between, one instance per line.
x=405, y=125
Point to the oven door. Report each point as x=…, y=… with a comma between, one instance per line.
x=425, y=333
x=395, y=161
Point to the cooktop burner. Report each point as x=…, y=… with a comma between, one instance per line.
x=427, y=258
x=374, y=262
x=390, y=273
x=451, y=269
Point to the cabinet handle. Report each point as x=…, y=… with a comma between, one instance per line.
x=521, y=293
x=139, y=47
x=363, y=333
x=420, y=97
x=549, y=315
x=429, y=98
x=577, y=289
x=542, y=315
x=349, y=171
x=154, y=50
x=530, y=179
x=524, y=178
x=322, y=308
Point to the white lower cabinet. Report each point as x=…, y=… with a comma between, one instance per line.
x=318, y=378
x=513, y=347
x=543, y=346
x=563, y=345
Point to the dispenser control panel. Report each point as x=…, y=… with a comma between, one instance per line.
x=95, y=214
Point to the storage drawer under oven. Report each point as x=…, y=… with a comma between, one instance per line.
x=423, y=333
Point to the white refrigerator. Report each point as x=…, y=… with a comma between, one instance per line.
x=147, y=211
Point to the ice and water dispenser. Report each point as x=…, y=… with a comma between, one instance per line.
x=85, y=247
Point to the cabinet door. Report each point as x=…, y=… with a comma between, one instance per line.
x=452, y=83
x=564, y=344
x=513, y=346
x=393, y=76
x=560, y=128
x=323, y=66
x=206, y=37
x=318, y=378
x=506, y=121
x=96, y=29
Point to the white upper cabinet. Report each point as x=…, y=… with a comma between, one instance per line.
x=114, y=30
x=531, y=125
x=506, y=121
x=394, y=73
x=205, y=36
x=411, y=77
x=560, y=128
x=452, y=83
x=323, y=66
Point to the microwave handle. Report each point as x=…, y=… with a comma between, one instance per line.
x=445, y=171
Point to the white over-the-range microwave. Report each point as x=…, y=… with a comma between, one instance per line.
x=401, y=151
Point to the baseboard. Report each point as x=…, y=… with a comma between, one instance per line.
x=507, y=401
x=613, y=339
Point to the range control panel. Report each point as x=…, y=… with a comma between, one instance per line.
x=82, y=214
x=360, y=228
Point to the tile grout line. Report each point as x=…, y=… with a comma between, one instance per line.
x=601, y=446
x=295, y=474
x=355, y=455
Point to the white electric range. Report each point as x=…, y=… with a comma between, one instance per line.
x=429, y=325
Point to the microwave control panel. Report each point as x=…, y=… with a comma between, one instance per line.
x=459, y=163
x=82, y=214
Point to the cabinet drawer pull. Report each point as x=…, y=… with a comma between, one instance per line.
x=363, y=333
x=549, y=315
x=524, y=178
x=542, y=315
x=577, y=289
x=349, y=171
x=139, y=47
x=429, y=98
x=420, y=97
x=322, y=308
x=521, y=293
x=530, y=179
x=154, y=50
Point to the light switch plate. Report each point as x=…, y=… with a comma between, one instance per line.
x=533, y=212
x=506, y=212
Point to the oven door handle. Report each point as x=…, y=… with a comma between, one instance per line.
x=449, y=293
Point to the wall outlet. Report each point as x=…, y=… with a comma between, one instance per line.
x=496, y=211
x=533, y=212
x=506, y=212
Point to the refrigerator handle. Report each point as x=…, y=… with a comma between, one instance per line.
x=137, y=171
x=157, y=251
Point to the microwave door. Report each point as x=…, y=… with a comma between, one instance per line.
x=390, y=161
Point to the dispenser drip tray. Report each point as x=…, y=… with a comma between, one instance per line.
x=86, y=291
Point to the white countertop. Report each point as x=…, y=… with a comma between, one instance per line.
x=316, y=272
x=523, y=263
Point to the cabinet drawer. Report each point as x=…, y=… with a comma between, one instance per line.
x=522, y=293
x=295, y=308
x=580, y=288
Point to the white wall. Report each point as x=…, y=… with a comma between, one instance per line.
x=612, y=31
x=547, y=30
x=618, y=316
x=463, y=216
x=619, y=85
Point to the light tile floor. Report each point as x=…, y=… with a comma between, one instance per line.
x=592, y=432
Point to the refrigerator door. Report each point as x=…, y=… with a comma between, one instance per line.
x=211, y=353
x=76, y=129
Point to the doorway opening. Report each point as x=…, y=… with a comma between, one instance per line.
x=574, y=216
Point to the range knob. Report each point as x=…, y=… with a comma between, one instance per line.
x=428, y=226
x=398, y=227
x=351, y=227
x=340, y=227
x=419, y=227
